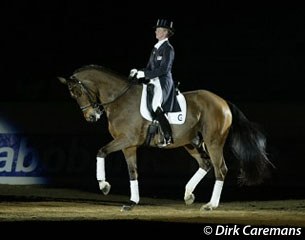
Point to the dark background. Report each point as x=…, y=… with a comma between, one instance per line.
x=247, y=53
x=252, y=55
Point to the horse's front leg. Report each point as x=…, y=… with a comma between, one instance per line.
x=131, y=159
x=113, y=146
x=101, y=176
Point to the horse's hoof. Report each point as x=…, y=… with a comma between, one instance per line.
x=189, y=199
x=207, y=207
x=128, y=207
x=104, y=187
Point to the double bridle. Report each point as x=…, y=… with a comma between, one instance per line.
x=91, y=95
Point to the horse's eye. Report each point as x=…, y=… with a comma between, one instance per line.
x=76, y=92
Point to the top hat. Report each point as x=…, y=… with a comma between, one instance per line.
x=164, y=23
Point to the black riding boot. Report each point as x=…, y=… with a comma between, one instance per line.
x=165, y=126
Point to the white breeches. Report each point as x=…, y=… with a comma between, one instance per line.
x=158, y=97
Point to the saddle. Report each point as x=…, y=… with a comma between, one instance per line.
x=155, y=128
x=173, y=117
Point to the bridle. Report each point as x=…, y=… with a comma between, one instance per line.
x=91, y=95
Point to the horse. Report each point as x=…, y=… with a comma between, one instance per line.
x=211, y=122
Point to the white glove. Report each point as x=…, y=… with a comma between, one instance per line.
x=133, y=72
x=140, y=74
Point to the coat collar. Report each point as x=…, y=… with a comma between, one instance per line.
x=159, y=43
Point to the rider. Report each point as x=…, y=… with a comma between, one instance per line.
x=158, y=73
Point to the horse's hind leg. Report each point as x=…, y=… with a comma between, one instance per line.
x=220, y=169
x=204, y=166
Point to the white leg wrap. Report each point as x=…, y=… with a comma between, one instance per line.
x=134, y=190
x=100, y=169
x=216, y=193
x=192, y=183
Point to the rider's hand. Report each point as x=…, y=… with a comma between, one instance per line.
x=133, y=72
x=140, y=74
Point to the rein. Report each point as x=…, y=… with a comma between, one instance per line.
x=120, y=95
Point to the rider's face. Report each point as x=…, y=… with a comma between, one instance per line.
x=161, y=33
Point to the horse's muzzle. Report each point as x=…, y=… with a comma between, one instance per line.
x=94, y=116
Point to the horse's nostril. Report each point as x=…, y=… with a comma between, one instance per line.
x=92, y=118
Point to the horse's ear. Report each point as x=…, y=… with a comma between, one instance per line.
x=62, y=80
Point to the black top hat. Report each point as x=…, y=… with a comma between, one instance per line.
x=164, y=23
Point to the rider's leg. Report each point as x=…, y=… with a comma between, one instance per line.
x=166, y=128
x=149, y=99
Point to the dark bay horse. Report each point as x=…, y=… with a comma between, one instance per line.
x=210, y=120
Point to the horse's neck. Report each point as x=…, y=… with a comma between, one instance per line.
x=111, y=89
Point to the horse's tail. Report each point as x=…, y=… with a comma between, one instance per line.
x=248, y=145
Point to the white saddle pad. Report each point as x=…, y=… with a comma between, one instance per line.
x=173, y=117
